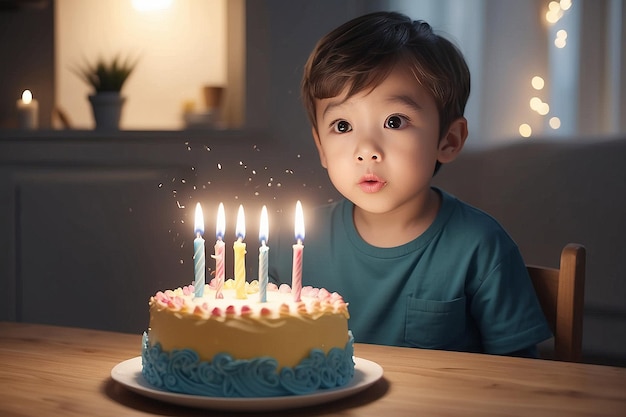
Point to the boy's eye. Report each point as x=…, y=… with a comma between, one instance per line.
x=395, y=122
x=341, y=126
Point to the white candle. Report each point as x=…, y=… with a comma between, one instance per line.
x=263, y=255
x=27, y=111
x=298, y=250
x=219, y=251
x=240, y=254
x=199, y=264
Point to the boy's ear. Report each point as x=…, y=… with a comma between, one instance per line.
x=451, y=144
x=318, y=145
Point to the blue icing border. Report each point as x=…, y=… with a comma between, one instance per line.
x=182, y=371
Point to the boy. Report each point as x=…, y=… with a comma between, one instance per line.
x=385, y=97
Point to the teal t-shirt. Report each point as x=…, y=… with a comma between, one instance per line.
x=461, y=285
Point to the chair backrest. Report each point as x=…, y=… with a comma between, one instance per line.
x=561, y=295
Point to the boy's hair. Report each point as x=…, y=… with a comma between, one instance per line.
x=360, y=53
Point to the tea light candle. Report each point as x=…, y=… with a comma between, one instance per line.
x=219, y=251
x=263, y=255
x=199, y=264
x=298, y=249
x=27, y=111
x=240, y=254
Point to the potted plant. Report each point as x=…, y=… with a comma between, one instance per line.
x=107, y=79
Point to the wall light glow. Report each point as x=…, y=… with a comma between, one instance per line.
x=151, y=5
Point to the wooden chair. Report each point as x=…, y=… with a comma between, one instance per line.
x=561, y=295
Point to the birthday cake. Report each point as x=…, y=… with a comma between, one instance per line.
x=234, y=347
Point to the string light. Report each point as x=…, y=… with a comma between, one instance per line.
x=525, y=130
x=543, y=109
x=554, y=122
x=535, y=103
x=561, y=38
x=537, y=82
x=556, y=10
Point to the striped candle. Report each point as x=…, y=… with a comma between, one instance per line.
x=199, y=264
x=298, y=250
x=219, y=251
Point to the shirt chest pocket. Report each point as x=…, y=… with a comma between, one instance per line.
x=435, y=324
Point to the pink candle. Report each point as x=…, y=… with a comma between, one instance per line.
x=219, y=251
x=298, y=249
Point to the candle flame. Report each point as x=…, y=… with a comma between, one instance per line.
x=199, y=220
x=299, y=226
x=27, y=96
x=264, y=228
x=240, y=231
x=221, y=222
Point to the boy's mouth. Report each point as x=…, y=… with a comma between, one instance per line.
x=370, y=183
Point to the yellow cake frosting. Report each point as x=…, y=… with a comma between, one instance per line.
x=281, y=328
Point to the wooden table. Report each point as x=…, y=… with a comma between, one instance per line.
x=59, y=371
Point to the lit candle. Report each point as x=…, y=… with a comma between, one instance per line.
x=298, y=249
x=240, y=255
x=219, y=251
x=263, y=255
x=27, y=111
x=199, y=265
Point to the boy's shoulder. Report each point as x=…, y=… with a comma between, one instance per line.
x=470, y=220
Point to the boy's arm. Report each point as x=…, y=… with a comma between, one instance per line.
x=507, y=311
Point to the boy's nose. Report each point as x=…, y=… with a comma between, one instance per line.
x=368, y=155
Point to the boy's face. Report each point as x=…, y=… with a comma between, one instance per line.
x=380, y=146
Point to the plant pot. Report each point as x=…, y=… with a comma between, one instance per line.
x=107, y=109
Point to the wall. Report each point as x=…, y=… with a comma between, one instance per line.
x=179, y=50
x=27, y=51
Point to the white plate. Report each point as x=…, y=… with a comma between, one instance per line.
x=128, y=373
